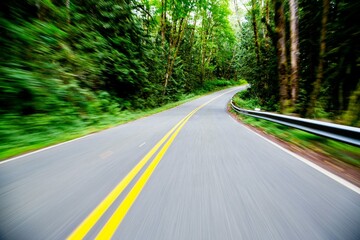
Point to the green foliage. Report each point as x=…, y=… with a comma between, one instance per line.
x=337, y=99
x=31, y=132
x=244, y=100
x=217, y=84
x=262, y=77
x=98, y=63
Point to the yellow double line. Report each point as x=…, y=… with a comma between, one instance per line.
x=115, y=220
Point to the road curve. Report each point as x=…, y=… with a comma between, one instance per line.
x=209, y=178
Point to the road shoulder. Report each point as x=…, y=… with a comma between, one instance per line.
x=343, y=170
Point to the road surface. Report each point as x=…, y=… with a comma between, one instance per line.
x=208, y=178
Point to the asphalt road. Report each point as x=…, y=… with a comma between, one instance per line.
x=212, y=178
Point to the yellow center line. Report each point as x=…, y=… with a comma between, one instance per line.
x=115, y=220
x=81, y=231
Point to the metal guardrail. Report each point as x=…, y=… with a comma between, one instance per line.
x=346, y=134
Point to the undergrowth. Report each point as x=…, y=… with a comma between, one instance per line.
x=21, y=134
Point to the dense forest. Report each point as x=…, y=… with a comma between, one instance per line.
x=67, y=62
x=66, y=65
x=127, y=54
x=302, y=57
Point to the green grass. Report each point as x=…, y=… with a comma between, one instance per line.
x=335, y=149
x=19, y=135
x=245, y=103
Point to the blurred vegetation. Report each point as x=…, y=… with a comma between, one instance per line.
x=70, y=67
x=331, y=148
x=35, y=131
x=328, y=57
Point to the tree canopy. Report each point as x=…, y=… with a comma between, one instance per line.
x=135, y=53
x=88, y=57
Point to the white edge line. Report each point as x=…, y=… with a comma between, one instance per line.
x=308, y=162
x=44, y=149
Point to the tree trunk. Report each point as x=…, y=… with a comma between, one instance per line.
x=174, y=47
x=203, y=38
x=231, y=62
x=266, y=19
x=256, y=37
x=294, y=37
x=203, y=54
x=320, y=69
x=163, y=22
x=193, y=33
x=269, y=34
x=281, y=54
x=68, y=10
x=237, y=14
x=203, y=65
x=267, y=11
